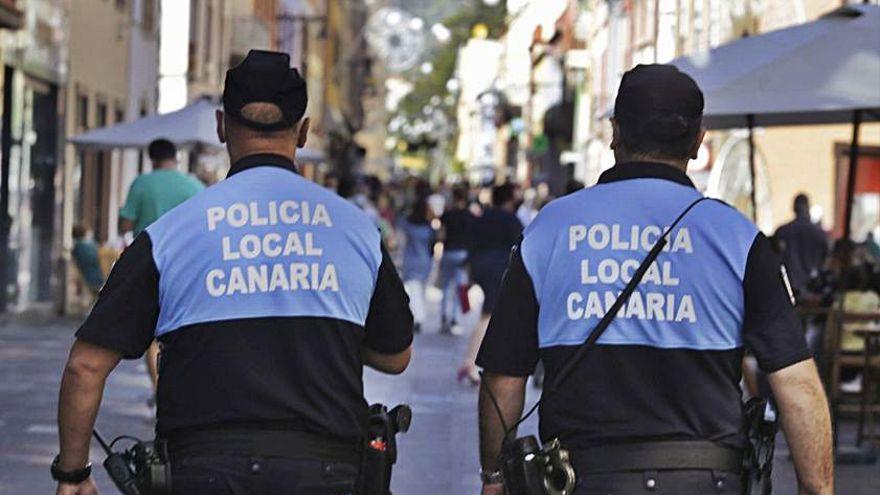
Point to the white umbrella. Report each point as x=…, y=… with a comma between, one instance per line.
x=813, y=73
x=825, y=71
x=193, y=126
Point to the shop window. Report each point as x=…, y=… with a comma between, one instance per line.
x=866, y=200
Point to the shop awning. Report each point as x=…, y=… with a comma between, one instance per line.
x=819, y=72
x=190, y=127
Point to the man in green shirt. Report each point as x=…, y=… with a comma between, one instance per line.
x=151, y=195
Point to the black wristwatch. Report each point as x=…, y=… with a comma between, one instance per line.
x=76, y=476
x=491, y=477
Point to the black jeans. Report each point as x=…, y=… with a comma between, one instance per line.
x=684, y=482
x=232, y=474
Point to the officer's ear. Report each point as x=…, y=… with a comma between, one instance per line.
x=615, y=134
x=695, y=149
x=221, y=126
x=303, y=133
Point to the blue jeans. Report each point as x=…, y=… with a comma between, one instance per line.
x=452, y=275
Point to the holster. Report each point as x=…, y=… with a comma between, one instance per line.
x=758, y=458
x=380, y=448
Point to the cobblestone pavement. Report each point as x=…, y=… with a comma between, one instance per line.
x=439, y=455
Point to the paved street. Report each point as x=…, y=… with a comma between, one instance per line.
x=438, y=456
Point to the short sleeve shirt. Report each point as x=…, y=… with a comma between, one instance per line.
x=669, y=365
x=152, y=195
x=262, y=290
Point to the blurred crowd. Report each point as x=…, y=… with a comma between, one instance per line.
x=456, y=239
x=452, y=237
x=841, y=274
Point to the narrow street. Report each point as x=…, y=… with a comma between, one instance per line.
x=438, y=456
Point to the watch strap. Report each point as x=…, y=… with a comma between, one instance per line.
x=492, y=477
x=76, y=476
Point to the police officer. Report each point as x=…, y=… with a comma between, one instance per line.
x=268, y=293
x=668, y=367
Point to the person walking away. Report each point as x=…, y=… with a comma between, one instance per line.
x=497, y=231
x=269, y=294
x=85, y=256
x=150, y=196
x=655, y=406
x=153, y=194
x=456, y=231
x=805, y=246
x=526, y=212
x=418, y=258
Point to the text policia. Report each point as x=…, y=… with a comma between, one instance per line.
x=235, y=278
x=661, y=302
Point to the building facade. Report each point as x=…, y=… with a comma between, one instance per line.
x=34, y=75
x=54, y=87
x=618, y=34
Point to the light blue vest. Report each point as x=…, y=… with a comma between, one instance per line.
x=264, y=243
x=583, y=248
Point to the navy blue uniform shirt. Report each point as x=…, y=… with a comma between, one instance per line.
x=669, y=365
x=262, y=291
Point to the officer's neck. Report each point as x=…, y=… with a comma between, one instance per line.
x=626, y=157
x=237, y=153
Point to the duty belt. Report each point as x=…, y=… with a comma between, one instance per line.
x=290, y=444
x=657, y=456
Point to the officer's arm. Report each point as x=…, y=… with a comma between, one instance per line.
x=509, y=393
x=388, y=330
x=774, y=332
x=393, y=364
x=508, y=355
x=82, y=386
x=803, y=412
x=121, y=324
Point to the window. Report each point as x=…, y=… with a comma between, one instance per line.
x=82, y=112
x=119, y=114
x=209, y=39
x=148, y=15
x=101, y=114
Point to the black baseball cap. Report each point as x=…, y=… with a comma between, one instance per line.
x=265, y=77
x=659, y=101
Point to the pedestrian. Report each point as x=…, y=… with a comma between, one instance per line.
x=456, y=232
x=85, y=256
x=150, y=196
x=805, y=246
x=655, y=406
x=418, y=257
x=526, y=212
x=873, y=248
x=268, y=294
x=497, y=230
x=153, y=194
x=438, y=199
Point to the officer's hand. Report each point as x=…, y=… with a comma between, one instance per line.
x=87, y=487
x=493, y=489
